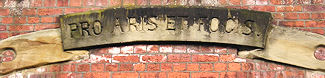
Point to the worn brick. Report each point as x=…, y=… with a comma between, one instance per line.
x=111, y=67
x=276, y=2
x=46, y=26
x=8, y=58
x=289, y=8
x=249, y=2
x=75, y=10
x=125, y=75
x=139, y=67
x=126, y=67
x=276, y=66
x=21, y=28
x=102, y=2
x=317, y=1
x=142, y=2
x=68, y=67
x=62, y=3
x=153, y=74
x=114, y=50
x=265, y=8
x=234, y=2
x=205, y=58
x=55, y=68
x=207, y=49
x=127, y=49
x=205, y=75
x=270, y=74
x=166, y=66
x=50, y=11
x=220, y=66
x=255, y=74
x=206, y=67
x=36, y=3
x=155, y=2
x=315, y=23
x=220, y=50
x=291, y=16
x=3, y=28
x=169, y=2
x=153, y=67
x=166, y=48
x=179, y=58
x=318, y=15
x=20, y=20
x=126, y=58
x=83, y=67
x=152, y=48
x=129, y=2
x=247, y=66
x=7, y=20
x=16, y=33
x=261, y=2
x=3, y=35
x=62, y=75
x=97, y=67
x=228, y=75
x=140, y=49
x=32, y=20
x=193, y=67
x=292, y=23
x=49, y=3
x=4, y=12
x=311, y=8
x=234, y=66
x=154, y=58
x=223, y=2
x=115, y=2
x=48, y=19
x=179, y=66
x=178, y=75
x=304, y=15
x=99, y=51
x=193, y=49
x=97, y=75
x=179, y=49
x=75, y=3
x=242, y=74
x=88, y=2
x=227, y=57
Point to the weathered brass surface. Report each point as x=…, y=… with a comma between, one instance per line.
x=130, y=24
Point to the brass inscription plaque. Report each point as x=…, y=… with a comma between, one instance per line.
x=199, y=24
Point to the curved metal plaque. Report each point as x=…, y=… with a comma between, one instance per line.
x=202, y=24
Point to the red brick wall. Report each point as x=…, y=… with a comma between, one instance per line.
x=157, y=60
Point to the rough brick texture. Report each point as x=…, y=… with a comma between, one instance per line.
x=156, y=60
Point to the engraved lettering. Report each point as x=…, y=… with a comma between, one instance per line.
x=97, y=27
x=214, y=24
x=134, y=25
x=85, y=30
x=184, y=24
x=197, y=25
x=231, y=25
x=75, y=31
x=247, y=28
x=171, y=24
x=151, y=24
